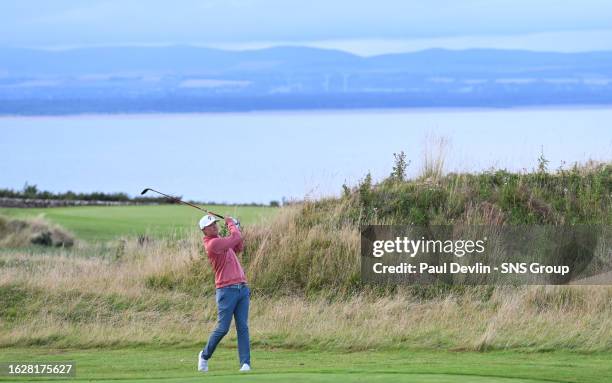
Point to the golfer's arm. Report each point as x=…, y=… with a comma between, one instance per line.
x=222, y=244
x=239, y=247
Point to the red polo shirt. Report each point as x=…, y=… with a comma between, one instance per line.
x=222, y=256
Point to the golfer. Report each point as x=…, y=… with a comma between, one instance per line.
x=232, y=291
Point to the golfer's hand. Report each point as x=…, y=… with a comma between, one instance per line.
x=234, y=220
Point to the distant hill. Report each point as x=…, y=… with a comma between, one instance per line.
x=185, y=79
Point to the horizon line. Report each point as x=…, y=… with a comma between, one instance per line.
x=76, y=47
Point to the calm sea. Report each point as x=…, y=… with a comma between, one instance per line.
x=244, y=157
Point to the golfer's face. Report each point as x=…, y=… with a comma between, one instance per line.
x=211, y=229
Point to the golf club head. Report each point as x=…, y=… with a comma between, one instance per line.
x=144, y=191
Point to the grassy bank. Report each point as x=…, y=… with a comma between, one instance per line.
x=316, y=247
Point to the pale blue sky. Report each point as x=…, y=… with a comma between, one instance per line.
x=365, y=27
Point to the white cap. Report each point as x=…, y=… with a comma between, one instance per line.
x=207, y=220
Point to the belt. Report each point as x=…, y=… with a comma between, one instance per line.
x=236, y=286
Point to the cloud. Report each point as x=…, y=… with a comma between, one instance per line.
x=64, y=22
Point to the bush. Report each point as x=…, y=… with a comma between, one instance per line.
x=37, y=231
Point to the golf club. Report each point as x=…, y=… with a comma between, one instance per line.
x=180, y=201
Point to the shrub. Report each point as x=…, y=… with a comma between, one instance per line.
x=37, y=231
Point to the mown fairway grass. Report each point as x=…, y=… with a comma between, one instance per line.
x=165, y=364
x=109, y=222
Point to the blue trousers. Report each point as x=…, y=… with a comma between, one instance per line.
x=232, y=301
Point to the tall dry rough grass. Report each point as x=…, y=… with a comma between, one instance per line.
x=303, y=266
x=435, y=150
x=289, y=255
x=160, y=292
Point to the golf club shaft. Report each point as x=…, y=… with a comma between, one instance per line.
x=181, y=201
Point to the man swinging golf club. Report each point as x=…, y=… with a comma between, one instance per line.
x=232, y=293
